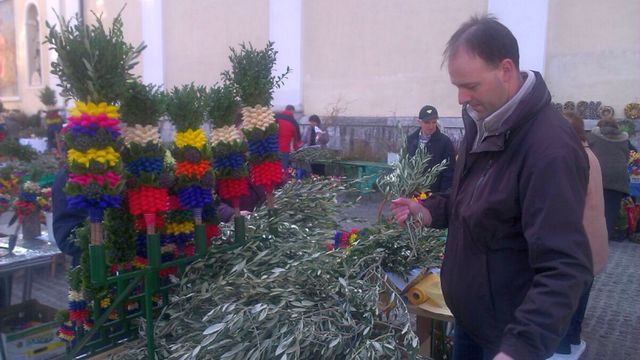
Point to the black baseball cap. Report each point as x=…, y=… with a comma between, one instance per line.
x=428, y=112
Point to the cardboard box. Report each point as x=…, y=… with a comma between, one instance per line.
x=28, y=332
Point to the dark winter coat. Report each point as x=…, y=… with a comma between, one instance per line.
x=440, y=148
x=611, y=147
x=254, y=199
x=65, y=220
x=517, y=257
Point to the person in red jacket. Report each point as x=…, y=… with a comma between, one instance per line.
x=288, y=134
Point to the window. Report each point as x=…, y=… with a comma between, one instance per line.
x=34, y=61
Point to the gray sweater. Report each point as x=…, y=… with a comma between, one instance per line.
x=611, y=147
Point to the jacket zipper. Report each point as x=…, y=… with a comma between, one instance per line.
x=481, y=180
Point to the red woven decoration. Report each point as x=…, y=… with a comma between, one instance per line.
x=174, y=203
x=147, y=200
x=24, y=208
x=267, y=174
x=233, y=188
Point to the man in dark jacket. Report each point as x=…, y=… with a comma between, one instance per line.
x=438, y=145
x=517, y=257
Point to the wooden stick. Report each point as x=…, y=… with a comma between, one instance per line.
x=96, y=233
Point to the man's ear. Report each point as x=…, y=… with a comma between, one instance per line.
x=507, y=69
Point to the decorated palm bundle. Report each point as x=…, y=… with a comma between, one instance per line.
x=147, y=178
x=94, y=65
x=229, y=160
x=251, y=76
x=177, y=237
x=52, y=115
x=194, y=177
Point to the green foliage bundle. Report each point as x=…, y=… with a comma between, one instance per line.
x=142, y=104
x=421, y=247
x=11, y=148
x=121, y=235
x=94, y=64
x=186, y=106
x=48, y=96
x=408, y=176
x=252, y=74
x=285, y=296
x=222, y=105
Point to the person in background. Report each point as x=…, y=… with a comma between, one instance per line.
x=596, y=228
x=438, y=145
x=65, y=220
x=517, y=258
x=288, y=134
x=311, y=133
x=611, y=147
x=248, y=204
x=314, y=135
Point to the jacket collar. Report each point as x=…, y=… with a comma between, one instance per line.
x=526, y=108
x=435, y=134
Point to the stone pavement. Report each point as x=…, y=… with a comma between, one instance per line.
x=611, y=325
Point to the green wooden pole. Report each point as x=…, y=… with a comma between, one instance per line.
x=239, y=229
x=151, y=286
x=201, y=240
x=98, y=268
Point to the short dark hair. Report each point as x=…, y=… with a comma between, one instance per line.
x=577, y=123
x=315, y=118
x=485, y=37
x=290, y=108
x=608, y=122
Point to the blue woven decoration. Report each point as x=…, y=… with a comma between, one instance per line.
x=94, y=206
x=28, y=196
x=266, y=146
x=91, y=130
x=231, y=161
x=148, y=165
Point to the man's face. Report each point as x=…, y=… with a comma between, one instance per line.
x=479, y=84
x=428, y=127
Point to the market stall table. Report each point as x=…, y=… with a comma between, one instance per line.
x=27, y=255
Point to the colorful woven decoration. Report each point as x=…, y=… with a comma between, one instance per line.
x=27, y=202
x=261, y=129
x=194, y=176
x=254, y=86
x=143, y=155
x=229, y=149
x=91, y=137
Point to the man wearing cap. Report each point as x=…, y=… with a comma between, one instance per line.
x=438, y=145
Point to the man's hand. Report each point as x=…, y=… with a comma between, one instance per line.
x=502, y=356
x=401, y=208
